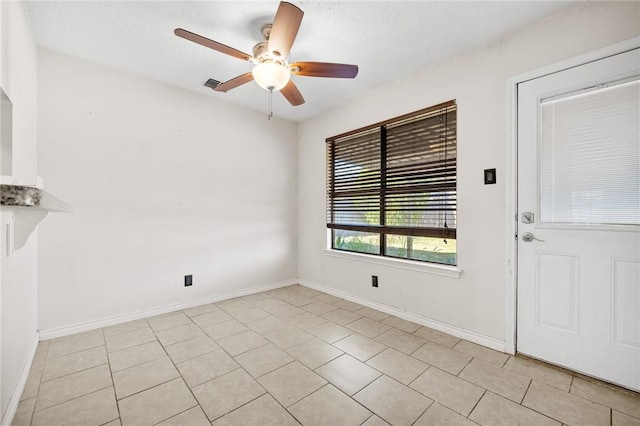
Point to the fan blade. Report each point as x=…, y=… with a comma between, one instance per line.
x=293, y=95
x=211, y=44
x=324, y=69
x=284, y=29
x=234, y=82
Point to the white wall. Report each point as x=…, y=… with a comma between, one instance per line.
x=164, y=183
x=477, y=80
x=18, y=286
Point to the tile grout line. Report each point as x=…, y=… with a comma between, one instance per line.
x=465, y=366
x=528, y=408
x=239, y=367
x=547, y=415
x=113, y=384
x=177, y=414
x=610, y=417
x=464, y=380
x=421, y=346
x=477, y=403
x=254, y=379
x=344, y=393
x=485, y=390
x=178, y=370
x=312, y=370
x=33, y=410
x=77, y=371
x=123, y=332
x=433, y=401
x=505, y=361
x=525, y=392
x=40, y=382
x=368, y=418
x=571, y=384
x=429, y=366
x=244, y=404
x=78, y=351
x=74, y=398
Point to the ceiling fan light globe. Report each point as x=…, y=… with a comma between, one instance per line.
x=271, y=75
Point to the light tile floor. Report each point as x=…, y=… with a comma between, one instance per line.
x=296, y=355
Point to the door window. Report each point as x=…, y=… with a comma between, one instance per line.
x=590, y=156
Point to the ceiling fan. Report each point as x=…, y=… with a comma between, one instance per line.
x=272, y=70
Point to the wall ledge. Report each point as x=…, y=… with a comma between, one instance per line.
x=28, y=206
x=29, y=197
x=472, y=336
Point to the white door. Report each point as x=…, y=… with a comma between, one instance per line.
x=579, y=219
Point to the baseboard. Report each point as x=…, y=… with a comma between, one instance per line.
x=462, y=333
x=52, y=333
x=481, y=339
x=22, y=381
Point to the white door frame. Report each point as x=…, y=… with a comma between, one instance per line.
x=511, y=173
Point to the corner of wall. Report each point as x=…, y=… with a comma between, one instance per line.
x=12, y=407
x=18, y=277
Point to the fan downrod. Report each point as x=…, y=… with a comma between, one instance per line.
x=266, y=31
x=261, y=49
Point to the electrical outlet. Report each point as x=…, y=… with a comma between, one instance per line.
x=374, y=281
x=188, y=280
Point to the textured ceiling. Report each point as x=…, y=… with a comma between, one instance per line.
x=387, y=40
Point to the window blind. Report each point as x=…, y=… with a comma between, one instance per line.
x=354, y=179
x=396, y=177
x=590, y=156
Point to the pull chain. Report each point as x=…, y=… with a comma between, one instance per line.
x=446, y=160
x=270, y=106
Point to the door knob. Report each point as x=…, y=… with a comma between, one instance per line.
x=527, y=237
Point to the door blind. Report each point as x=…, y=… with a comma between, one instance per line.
x=590, y=156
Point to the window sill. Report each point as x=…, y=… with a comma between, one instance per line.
x=430, y=268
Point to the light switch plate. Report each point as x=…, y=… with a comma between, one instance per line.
x=489, y=176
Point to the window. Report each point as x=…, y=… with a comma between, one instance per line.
x=391, y=187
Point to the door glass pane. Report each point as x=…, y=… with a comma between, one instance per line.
x=590, y=156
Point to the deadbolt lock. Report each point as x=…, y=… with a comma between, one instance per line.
x=527, y=217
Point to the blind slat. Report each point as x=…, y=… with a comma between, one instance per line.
x=415, y=187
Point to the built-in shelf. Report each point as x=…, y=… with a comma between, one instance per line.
x=28, y=206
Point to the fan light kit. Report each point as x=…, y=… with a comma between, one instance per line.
x=272, y=71
x=271, y=75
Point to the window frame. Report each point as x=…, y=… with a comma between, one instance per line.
x=382, y=229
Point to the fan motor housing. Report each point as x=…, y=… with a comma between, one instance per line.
x=260, y=50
